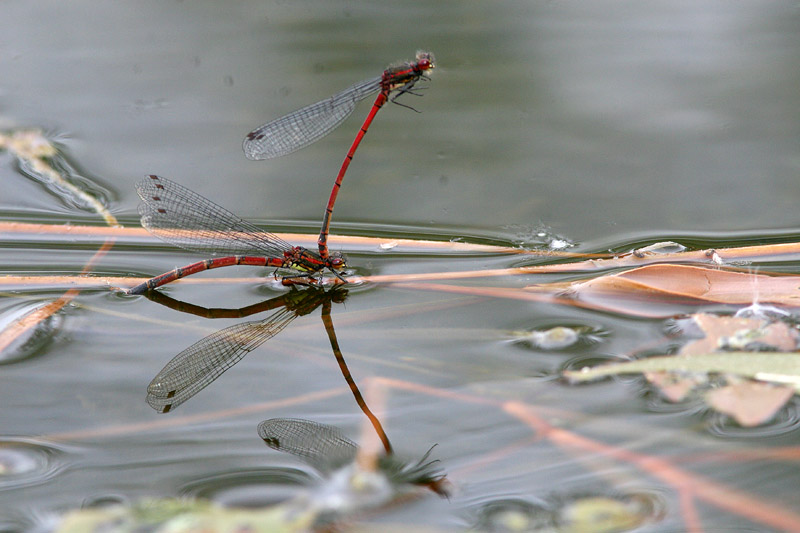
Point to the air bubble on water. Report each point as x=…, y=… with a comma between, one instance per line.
x=538, y=237
x=559, y=244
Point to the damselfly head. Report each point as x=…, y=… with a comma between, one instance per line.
x=337, y=261
x=425, y=60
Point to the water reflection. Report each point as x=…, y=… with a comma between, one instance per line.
x=202, y=363
x=353, y=478
x=351, y=482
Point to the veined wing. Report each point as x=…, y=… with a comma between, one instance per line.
x=306, y=125
x=182, y=217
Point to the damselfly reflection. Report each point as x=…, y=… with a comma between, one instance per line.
x=332, y=454
x=199, y=365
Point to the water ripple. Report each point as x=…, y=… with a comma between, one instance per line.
x=513, y=514
x=250, y=488
x=785, y=421
x=27, y=462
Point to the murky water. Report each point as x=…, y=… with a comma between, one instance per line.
x=576, y=126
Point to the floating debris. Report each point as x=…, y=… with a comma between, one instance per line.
x=756, y=361
x=25, y=328
x=40, y=159
x=559, y=337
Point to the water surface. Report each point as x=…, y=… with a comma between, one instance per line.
x=610, y=125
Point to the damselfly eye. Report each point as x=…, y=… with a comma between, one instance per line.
x=337, y=262
x=425, y=60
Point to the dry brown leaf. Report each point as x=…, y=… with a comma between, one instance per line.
x=750, y=403
x=686, y=284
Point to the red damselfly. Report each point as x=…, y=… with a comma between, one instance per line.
x=309, y=124
x=186, y=219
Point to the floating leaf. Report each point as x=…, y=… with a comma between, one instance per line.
x=674, y=283
x=750, y=403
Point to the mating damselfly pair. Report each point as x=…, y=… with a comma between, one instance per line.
x=188, y=220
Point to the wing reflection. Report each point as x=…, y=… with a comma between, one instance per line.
x=199, y=365
x=326, y=449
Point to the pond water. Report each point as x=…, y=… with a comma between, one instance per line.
x=581, y=126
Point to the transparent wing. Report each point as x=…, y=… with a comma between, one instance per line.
x=182, y=217
x=306, y=125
